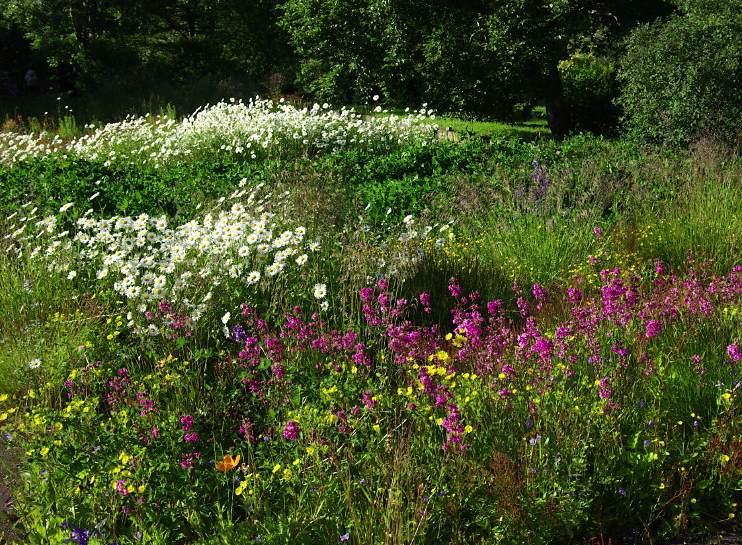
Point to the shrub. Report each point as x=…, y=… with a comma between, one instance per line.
x=681, y=77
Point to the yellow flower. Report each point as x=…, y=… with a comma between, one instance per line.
x=310, y=450
x=276, y=468
x=376, y=428
x=44, y=451
x=141, y=488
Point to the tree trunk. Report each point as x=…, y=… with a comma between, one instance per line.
x=557, y=112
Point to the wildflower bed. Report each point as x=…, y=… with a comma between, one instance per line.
x=256, y=374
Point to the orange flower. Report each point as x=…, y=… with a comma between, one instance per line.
x=228, y=463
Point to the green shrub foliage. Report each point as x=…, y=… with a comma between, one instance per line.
x=681, y=77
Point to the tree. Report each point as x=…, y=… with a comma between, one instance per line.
x=94, y=34
x=534, y=36
x=181, y=39
x=481, y=56
x=682, y=76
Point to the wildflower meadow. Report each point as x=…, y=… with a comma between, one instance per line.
x=270, y=323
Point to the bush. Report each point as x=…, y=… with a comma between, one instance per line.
x=681, y=77
x=591, y=88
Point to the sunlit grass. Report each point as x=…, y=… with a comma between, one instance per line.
x=543, y=368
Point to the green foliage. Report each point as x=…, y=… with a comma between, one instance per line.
x=590, y=89
x=171, y=40
x=681, y=76
x=176, y=192
x=344, y=45
x=98, y=425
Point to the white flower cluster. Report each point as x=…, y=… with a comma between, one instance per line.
x=148, y=261
x=248, y=131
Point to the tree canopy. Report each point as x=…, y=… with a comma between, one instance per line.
x=486, y=58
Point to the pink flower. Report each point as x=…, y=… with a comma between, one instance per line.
x=734, y=352
x=653, y=328
x=291, y=430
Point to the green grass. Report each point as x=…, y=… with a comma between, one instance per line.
x=601, y=405
x=534, y=129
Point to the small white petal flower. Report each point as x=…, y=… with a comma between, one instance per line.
x=320, y=290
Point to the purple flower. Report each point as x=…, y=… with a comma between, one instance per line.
x=647, y=442
x=187, y=421
x=291, y=430
x=734, y=352
x=345, y=537
x=121, y=487
x=653, y=328
x=189, y=460
x=622, y=491
x=454, y=288
x=190, y=437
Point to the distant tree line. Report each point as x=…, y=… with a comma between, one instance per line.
x=663, y=70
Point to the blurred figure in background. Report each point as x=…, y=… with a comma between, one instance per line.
x=32, y=81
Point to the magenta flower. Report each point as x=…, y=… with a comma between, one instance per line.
x=291, y=430
x=187, y=421
x=734, y=352
x=121, y=488
x=653, y=328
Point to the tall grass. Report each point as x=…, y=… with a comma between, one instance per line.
x=540, y=362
